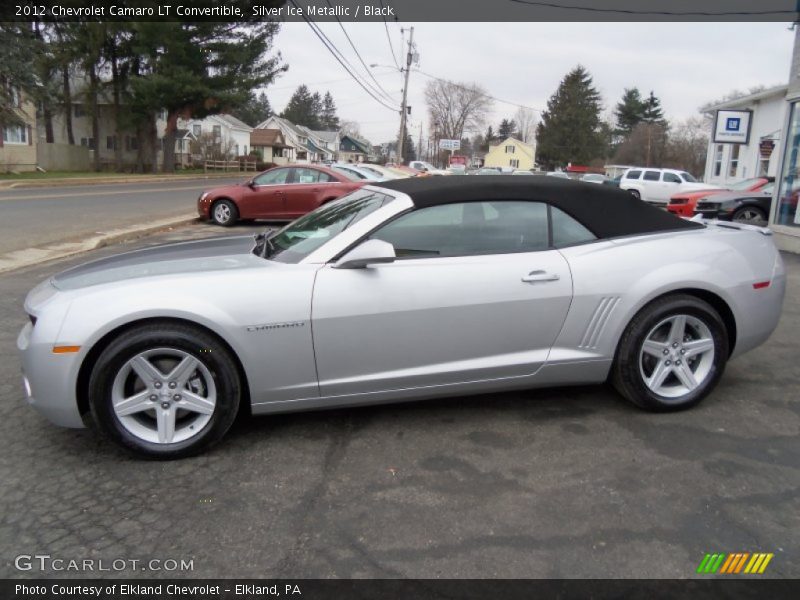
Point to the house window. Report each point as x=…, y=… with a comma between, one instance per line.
x=131, y=143
x=13, y=96
x=733, y=161
x=88, y=142
x=511, y=149
x=245, y=150
x=236, y=150
x=111, y=142
x=196, y=130
x=80, y=111
x=763, y=167
x=15, y=134
x=217, y=132
x=718, y=160
x=513, y=162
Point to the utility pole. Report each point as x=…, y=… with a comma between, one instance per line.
x=420, y=141
x=402, y=135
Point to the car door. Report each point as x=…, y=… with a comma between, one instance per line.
x=266, y=198
x=476, y=293
x=651, y=186
x=306, y=190
x=670, y=185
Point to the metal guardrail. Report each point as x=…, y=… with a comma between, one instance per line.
x=229, y=165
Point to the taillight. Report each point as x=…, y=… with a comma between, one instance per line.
x=761, y=285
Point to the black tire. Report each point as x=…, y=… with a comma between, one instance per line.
x=741, y=215
x=627, y=375
x=635, y=194
x=224, y=213
x=194, y=341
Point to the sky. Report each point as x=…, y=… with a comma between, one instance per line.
x=685, y=64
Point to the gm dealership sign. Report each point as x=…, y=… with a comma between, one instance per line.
x=732, y=126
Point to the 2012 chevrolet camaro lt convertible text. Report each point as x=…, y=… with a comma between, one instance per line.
x=409, y=289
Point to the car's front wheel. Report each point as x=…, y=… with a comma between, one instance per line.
x=224, y=212
x=165, y=390
x=635, y=194
x=750, y=214
x=672, y=354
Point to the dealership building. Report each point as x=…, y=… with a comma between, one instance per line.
x=785, y=218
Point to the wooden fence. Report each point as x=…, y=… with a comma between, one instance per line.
x=229, y=165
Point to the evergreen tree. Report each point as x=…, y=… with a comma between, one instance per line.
x=304, y=108
x=653, y=112
x=256, y=110
x=508, y=128
x=328, y=117
x=489, y=138
x=569, y=131
x=629, y=111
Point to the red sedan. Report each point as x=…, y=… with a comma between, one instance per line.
x=280, y=193
x=684, y=203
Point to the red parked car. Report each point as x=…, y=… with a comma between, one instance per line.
x=280, y=193
x=684, y=203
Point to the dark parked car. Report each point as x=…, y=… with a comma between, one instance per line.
x=613, y=182
x=281, y=193
x=743, y=207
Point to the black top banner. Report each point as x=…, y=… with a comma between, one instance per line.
x=401, y=10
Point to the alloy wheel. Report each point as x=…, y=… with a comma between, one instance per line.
x=749, y=215
x=222, y=213
x=164, y=396
x=677, y=356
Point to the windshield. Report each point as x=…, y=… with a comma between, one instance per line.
x=745, y=185
x=301, y=237
x=688, y=177
x=351, y=175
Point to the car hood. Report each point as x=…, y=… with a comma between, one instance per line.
x=733, y=196
x=222, y=253
x=228, y=190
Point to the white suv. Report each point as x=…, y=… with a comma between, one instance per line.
x=656, y=186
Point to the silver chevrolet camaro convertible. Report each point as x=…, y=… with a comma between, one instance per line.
x=410, y=289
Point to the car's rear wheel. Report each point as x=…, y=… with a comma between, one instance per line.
x=751, y=215
x=635, y=194
x=165, y=390
x=672, y=354
x=224, y=212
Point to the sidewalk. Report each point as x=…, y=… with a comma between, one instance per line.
x=6, y=184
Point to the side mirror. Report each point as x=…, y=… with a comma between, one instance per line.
x=251, y=184
x=367, y=253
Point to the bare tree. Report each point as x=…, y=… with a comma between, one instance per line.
x=456, y=108
x=526, y=124
x=210, y=147
x=350, y=128
x=688, y=145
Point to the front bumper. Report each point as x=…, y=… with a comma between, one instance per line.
x=682, y=210
x=49, y=379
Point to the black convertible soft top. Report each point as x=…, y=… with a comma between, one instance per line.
x=606, y=211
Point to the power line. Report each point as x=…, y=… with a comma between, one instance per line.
x=340, y=80
x=330, y=47
x=388, y=37
x=464, y=87
x=688, y=13
x=358, y=54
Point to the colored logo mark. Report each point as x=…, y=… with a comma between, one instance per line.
x=738, y=562
x=733, y=124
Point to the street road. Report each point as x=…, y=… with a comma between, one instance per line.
x=33, y=217
x=569, y=482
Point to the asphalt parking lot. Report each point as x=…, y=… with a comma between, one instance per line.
x=550, y=483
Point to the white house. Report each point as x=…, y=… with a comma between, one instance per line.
x=730, y=163
x=231, y=134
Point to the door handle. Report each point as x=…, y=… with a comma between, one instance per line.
x=540, y=276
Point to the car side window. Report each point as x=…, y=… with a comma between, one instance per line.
x=633, y=175
x=671, y=178
x=302, y=175
x=567, y=231
x=652, y=175
x=468, y=229
x=272, y=177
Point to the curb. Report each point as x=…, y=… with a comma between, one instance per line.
x=28, y=257
x=75, y=181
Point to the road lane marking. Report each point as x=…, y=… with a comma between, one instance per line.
x=113, y=193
